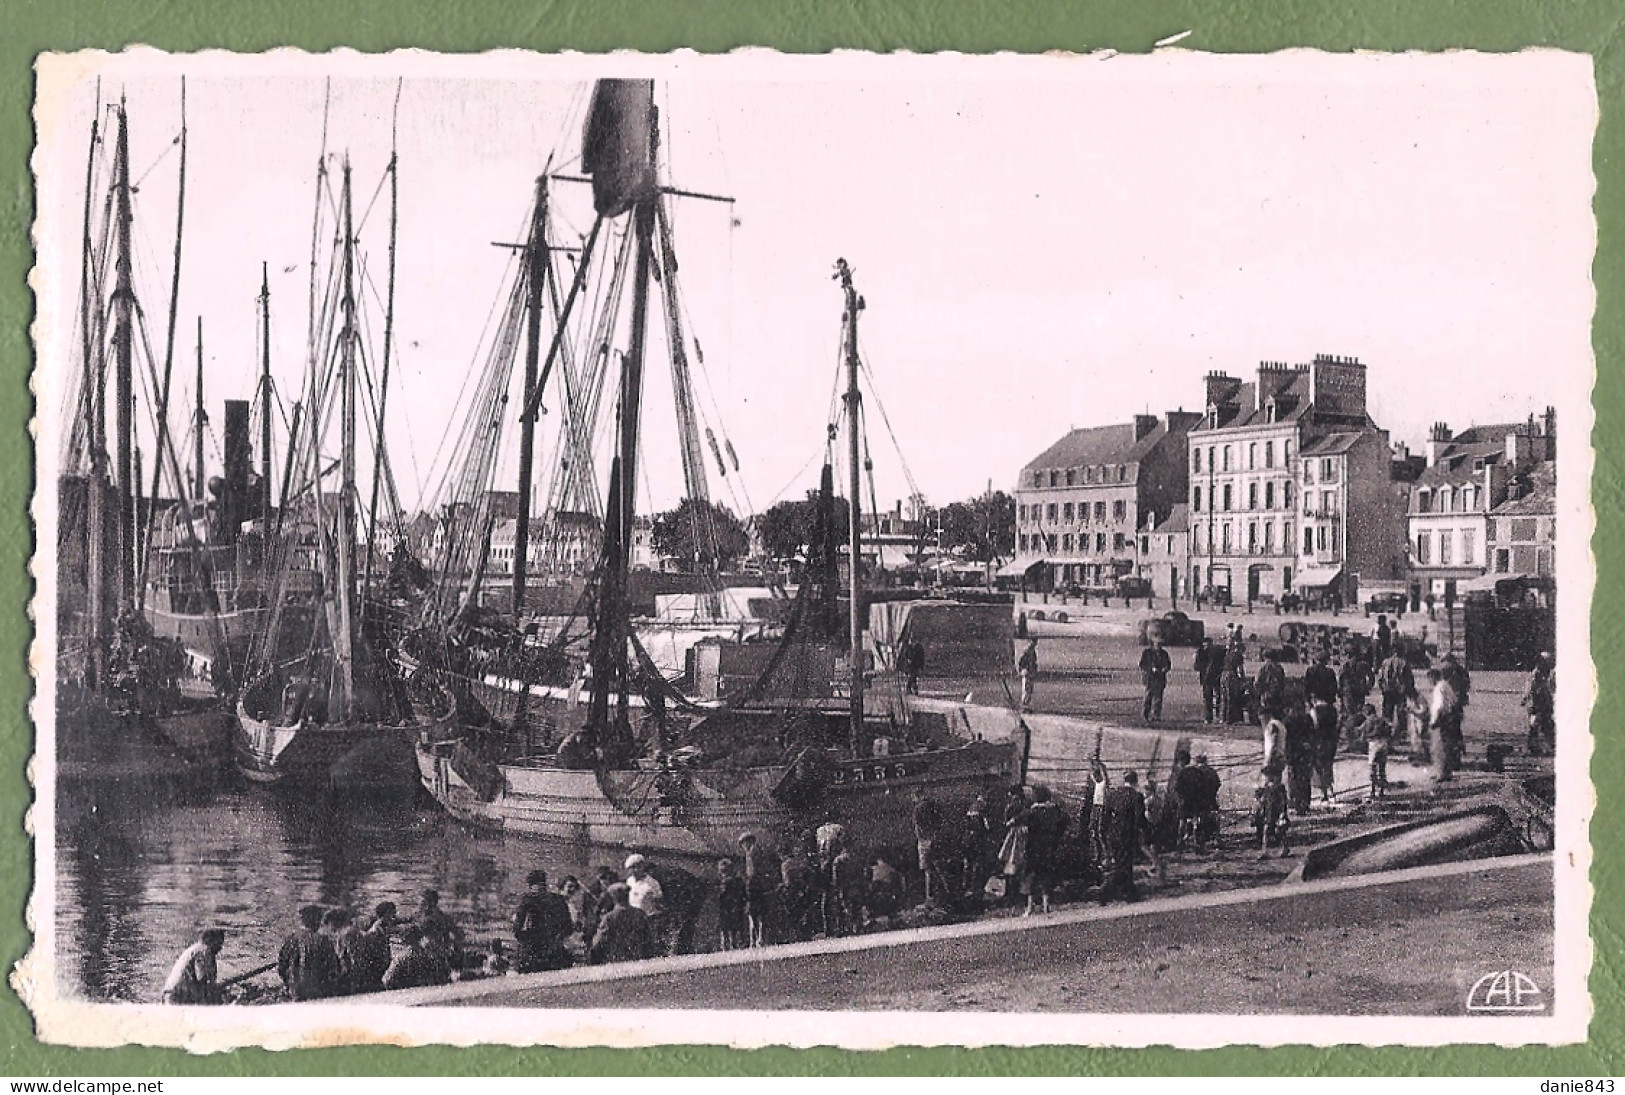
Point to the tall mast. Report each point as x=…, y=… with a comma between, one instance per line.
x=343, y=655
x=536, y=273
x=123, y=345
x=389, y=341
x=200, y=418
x=854, y=404
x=265, y=397
x=169, y=362
x=95, y=393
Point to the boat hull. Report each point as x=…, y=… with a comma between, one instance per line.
x=703, y=811
x=202, y=634
x=359, y=755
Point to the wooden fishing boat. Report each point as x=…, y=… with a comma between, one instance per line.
x=324, y=707
x=670, y=775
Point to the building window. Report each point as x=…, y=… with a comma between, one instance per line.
x=1269, y=537
x=1424, y=552
x=1066, y=513
x=1503, y=560
x=1119, y=510
x=1211, y=464
x=1071, y=476
x=1308, y=540
x=1196, y=497
x=1286, y=494
x=1328, y=502
x=1252, y=537
x=1038, y=478
x=1100, y=542
x=1021, y=513
x=1252, y=495
x=1468, y=547
x=1227, y=458
x=1469, y=499
x=1022, y=541
x=1054, y=478
x=1444, y=547
x=1328, y=470
x=1196, y=459
x=1227, y=498
x=1227, y=536
x=1252, y=456
x=1308, y=472
x=1122, y=473
x=1145, y=545
x=1269, y=454
x=1049, y=513
x=1066, y=542
x=1286, y=535
x=1320, y=538
x=1100, y=513
x=1117, y=541
x=1269, y=495
x=1446, y=499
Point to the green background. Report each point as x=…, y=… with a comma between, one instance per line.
x=26, y=28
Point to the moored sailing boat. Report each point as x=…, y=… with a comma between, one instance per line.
x=325, y=708
x=689, y=781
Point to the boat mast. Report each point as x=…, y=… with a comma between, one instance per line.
x=123, y=346
x=854, y=404
x=536, y=266
x=200, y=418
x=169, y=364
x=389, y=342
x=95, y=392
x=343, y=654
x=265, y=397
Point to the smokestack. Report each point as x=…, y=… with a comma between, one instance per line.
x=1438, y=438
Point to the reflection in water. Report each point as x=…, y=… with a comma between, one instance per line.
x=144, y=870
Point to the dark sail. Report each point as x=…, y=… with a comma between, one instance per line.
x=617, y=145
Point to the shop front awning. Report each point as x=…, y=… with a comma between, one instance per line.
x=1317, y=577
x=1017, y=567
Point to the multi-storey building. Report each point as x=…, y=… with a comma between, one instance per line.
x=1165, y=555
x=1522, y=529
x=1290, y=485
x=1468, y=475
x=1081, y=504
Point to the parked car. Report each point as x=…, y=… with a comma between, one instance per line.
x=1173, y=628
x=1134, y=587
x=1386, y=603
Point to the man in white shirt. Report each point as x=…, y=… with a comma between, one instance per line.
x=193, y=980
x=1443, y=709
x=643, y=891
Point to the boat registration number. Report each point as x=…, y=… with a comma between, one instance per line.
x=878, y=771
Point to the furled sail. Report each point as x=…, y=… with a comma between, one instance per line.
x=617, y=146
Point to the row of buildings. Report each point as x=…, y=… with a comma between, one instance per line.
x=1284, y=485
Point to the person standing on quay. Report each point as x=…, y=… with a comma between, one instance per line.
x=1027, y=665
x=307, y=963
x=372, y=954
x=541, y=924
x=1209, y=666
x=1154, y=668
x=624, y=933
x=1124, y=828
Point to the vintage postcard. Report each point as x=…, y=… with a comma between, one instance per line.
x=812, y=550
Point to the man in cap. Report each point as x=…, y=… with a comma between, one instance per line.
x=541, y=924
x=1540, y=699
x=307, y=963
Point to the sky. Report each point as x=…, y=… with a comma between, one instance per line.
x=1042, y=243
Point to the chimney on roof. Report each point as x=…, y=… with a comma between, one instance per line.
x=1181, y=421
x=1273, y=378
x=1219, y=389
x=1337, y=385
x=1438, y=438
x=1143, y=425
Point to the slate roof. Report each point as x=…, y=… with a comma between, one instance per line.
x=1178, y=520
x=1097, y=445
x=1331, y=444
x=1541, y=500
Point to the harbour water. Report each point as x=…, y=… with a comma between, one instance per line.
x=149, y=866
